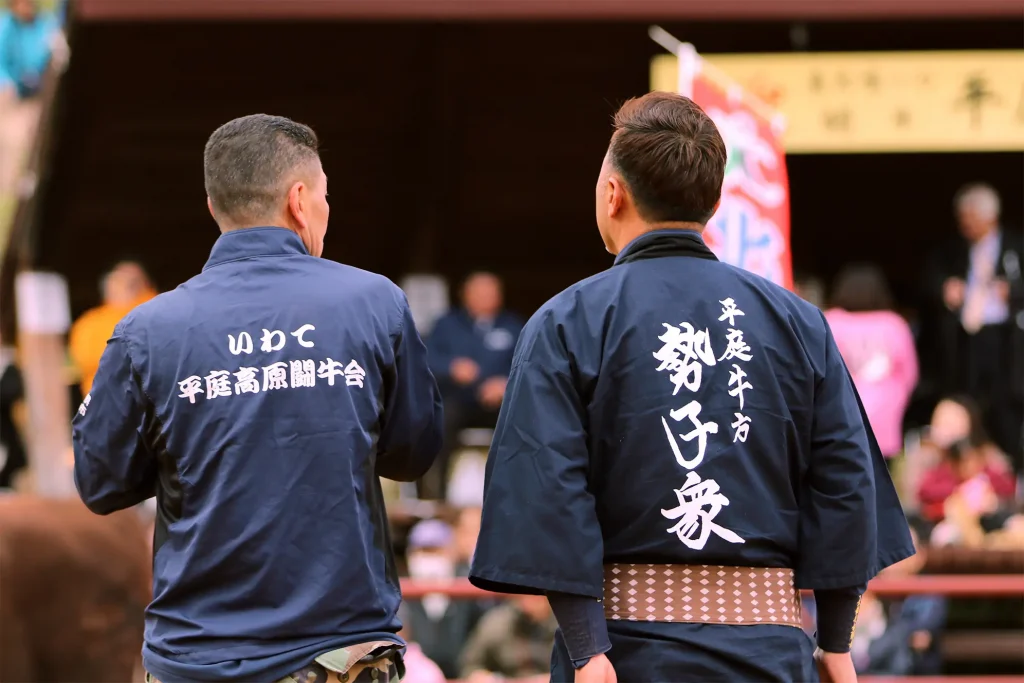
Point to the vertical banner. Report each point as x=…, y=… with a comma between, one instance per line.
x=751, y=227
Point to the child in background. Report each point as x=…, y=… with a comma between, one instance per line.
x=972, y=476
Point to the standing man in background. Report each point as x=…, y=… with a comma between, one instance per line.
x=976, y=297
x=124, y=287
x=681, y=449
x=471, y=354
x=260, y=401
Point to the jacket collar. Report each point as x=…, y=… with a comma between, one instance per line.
x=250, y=242
x=665, y=242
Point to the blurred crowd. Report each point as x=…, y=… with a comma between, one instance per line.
x=962, y=362
x=958, y=473
x=943, y=388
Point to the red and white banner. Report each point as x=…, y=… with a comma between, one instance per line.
x=751, y=227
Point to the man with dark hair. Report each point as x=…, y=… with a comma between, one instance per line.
x=259, y=402
x=681, y=448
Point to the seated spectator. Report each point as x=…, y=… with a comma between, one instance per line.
x=126, y=286
x=512, y=641
x=27, y=36
x=470, y=350
x=878, y=347
x=972, y=474
x=909, y=645
x=441, y=625
x=1010, y=536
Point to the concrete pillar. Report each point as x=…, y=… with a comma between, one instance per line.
x=43, y=320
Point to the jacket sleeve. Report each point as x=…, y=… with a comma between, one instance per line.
x=413, y=422
x=851, y=522
x=538, y=479
x=114, y=468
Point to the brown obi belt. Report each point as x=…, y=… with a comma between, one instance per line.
x=701, y=594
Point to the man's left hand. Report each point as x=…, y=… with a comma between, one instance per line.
x=920, y=640
x=493, y=391
x=1002, y=290
x=598, y=670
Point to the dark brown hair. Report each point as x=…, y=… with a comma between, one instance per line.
x=671, y=156
x=248, y=161
x=860, y=288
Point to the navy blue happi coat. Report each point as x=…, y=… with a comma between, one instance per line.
x=259, y=402
x=675, y=409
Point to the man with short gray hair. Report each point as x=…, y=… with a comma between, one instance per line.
x=978, y=288
x=259, y=402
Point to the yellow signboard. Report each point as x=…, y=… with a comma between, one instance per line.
x=882, y=101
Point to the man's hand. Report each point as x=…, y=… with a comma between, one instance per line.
x=493, y=391
x=835, y=668
x=1002, y=290
x=464, y=371
x=920, y=640
x=597, y=670
x=953, y=293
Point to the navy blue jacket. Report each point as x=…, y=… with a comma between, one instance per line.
x=457, y=335
x=259, y=402
x=675, y=409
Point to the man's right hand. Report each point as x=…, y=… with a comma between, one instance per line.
x=834, y=667
x=598, y=670
x=464, y=371
x=953, y=293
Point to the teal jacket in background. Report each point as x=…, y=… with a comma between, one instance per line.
x=25, y=51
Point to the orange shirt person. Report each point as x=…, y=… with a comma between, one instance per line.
x=124, y=287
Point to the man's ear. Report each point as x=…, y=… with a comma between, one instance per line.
x=616, y=196
x=297, y=204
x=209, y=205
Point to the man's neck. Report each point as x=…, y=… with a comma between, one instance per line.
x=630, y=232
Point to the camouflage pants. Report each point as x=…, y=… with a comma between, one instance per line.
x=364, y=663
x=383, y=670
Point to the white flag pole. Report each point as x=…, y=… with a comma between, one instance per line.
x=691, y=64
x=689, y=67
x=686, y=54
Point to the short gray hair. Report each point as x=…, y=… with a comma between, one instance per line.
x=247, y=162
x=981, y=197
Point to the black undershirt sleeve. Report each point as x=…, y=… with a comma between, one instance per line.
x=837, y=617
x=583, y=626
